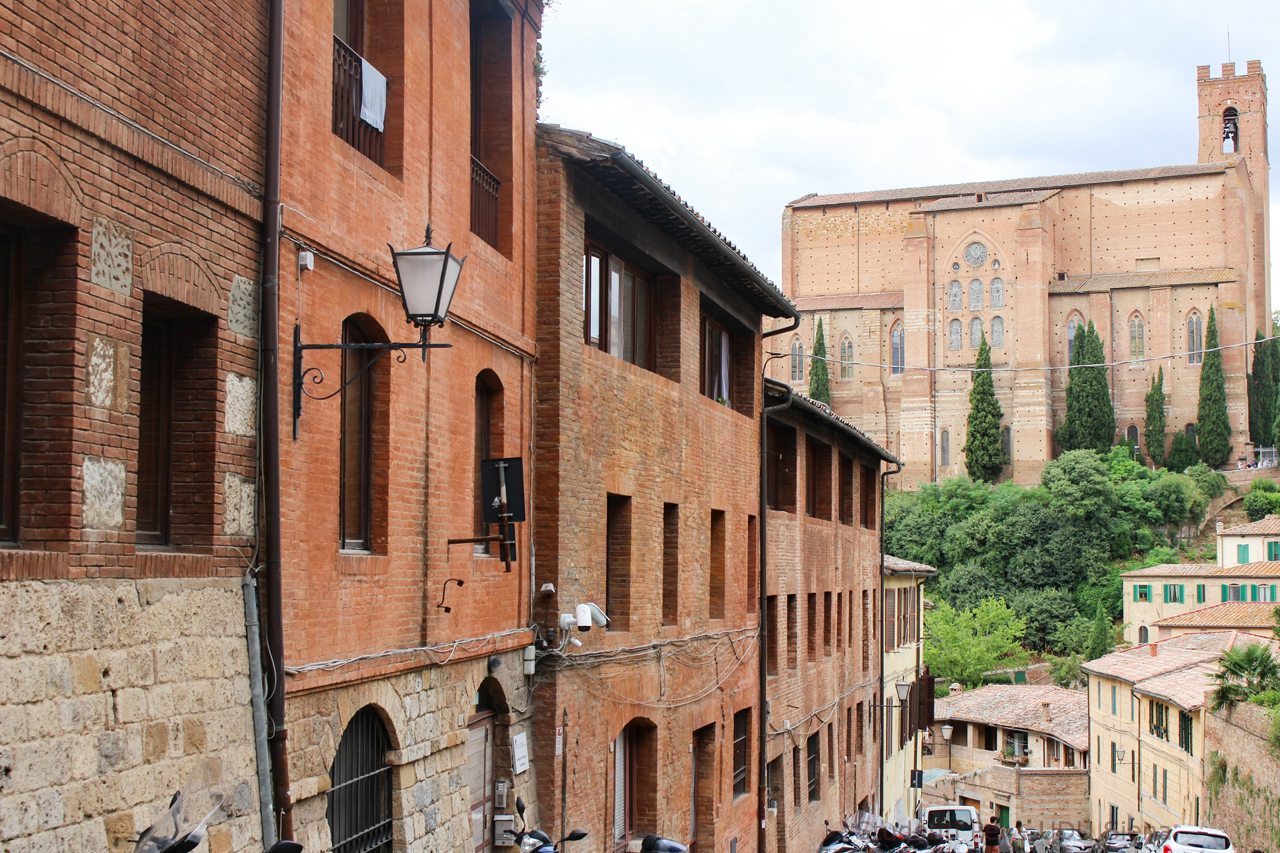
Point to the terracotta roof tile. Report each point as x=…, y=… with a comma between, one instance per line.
x=980, y=200
x=1184, y=688
x=1137, y=665
x=1260, y=569
x=1262, y=527
x=1013, y=185
x=1231, y=614
x=1020, y=706
x=1121, y=281
x=898, y=566
x=891, y=299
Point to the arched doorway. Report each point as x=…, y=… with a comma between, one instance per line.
x=489, y=715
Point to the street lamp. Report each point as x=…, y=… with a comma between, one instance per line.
x=427, y=277
x=947, y=730
x=904, y=690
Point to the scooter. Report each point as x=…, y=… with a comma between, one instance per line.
x=535, y=840
x=186, y=823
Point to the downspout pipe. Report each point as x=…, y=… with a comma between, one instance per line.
x=257, y=703
x=269, y=337
x=884, y=699
x=762, y=789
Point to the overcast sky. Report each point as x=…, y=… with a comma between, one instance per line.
x=743, y=106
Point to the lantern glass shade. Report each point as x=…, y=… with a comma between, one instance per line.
x=904, y=690
x=428, y=276
x=1120, y=754
x=946, y=731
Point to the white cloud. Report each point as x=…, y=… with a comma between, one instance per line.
x=744, y=106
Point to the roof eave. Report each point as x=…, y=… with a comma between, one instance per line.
x=782, y=389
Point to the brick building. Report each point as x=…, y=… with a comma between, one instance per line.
x=406, y=703
x=822, y=650
x=903, y=717
x=908, y=281
x=130, y=210
x=646, y=492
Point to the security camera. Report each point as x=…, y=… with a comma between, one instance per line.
x=584, y=617
x=598, y=617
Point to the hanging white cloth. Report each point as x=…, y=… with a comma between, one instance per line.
x=373, y=95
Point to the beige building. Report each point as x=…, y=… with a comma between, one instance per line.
x=908, y=281
x=1250, y=543
x=902, y=663
x=1154, y=595
x=1018, y=752
x=1146, y=719
x=1250, y=616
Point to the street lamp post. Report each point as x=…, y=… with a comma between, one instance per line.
x=947, y=729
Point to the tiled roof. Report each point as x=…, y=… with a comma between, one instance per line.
x=892, y=299
x=1020, y=706
x=644, y=192
x=1230, y=614
x=1184, y=688
x=1013, y=185
x=822, y=410
x=1137, y=665
x=1259, y=569
x=979, y=200
x=898, y=566
x=1120, y=281
x=1268, y=526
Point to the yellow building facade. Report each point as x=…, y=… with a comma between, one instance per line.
x=902, y=662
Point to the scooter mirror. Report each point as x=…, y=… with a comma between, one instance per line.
x=576, y=835
x=520, y=807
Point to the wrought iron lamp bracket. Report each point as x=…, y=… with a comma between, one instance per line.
x=315, y=376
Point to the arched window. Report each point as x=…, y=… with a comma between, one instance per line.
x=956, y=335
x=1142, y=635
x=975, y=333
x=1191, y=430
x=1006, y=442
x=483, y=733
x=1131, y=434
x=944, y=445
x=898, y=344
x=1074, y=323
x=797, y=360
x=1137, y=338
x=975, y=295
x=997, y=293
x=846, y=357
x=635, y=801
x=1230, y=131
x=953, y=296
x=1195, y=338
x=488, y=443
x=359, y=809
x=997, y=332
x=355, y=480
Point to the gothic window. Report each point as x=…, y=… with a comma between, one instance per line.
x=945, y=448
x=1131, y=434
x=846, y=356
x=797, y=360
x=975, y=295
x=1137, y=337
x=1006, y=442
x=975, y=333
x=997, y=332
x=953, y=296
x=997, y=292
x=956, y=335
x=975, y=254
x=896, y=338
x=1230, y=131
x=1074, y=323
x=1195, y=338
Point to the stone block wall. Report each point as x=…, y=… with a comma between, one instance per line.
x=1242, y=777
x=110, y=692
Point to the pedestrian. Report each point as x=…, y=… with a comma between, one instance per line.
x=991, y=835
x=1019, y=838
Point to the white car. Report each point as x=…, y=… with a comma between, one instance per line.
x=1196, y=839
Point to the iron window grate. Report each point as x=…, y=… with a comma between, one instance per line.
x=359, y=810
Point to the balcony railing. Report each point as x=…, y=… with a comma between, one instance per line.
x=484, y=203
x=347, y=93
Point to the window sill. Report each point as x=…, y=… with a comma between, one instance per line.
x=17, y=564
x=356, y=563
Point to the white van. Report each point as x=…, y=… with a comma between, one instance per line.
x=962, y=820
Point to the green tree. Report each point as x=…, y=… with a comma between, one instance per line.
x=1078, y=485
x=1183, y=452
x=819, y=381
x=964, y=645
x=984, y=454
x=1257, y=505
x=1244, y=672
x=1090, y=422
x=1213, y=430
x=1066, y=672
x=1100, y=637
x=967, y=586
x=1045, y=611
x=1155, y=426
x=1262, y=395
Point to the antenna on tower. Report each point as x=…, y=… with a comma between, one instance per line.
x=1228, y=44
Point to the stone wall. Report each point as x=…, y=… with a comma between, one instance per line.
x=110, y=692
x=1041, y=798
x=1242, y=777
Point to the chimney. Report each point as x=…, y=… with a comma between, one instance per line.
x=1045, y=714
x=1152, y=646
x=954, y=688
x=1218, y=528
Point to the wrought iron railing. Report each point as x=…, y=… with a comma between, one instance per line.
x=484, y=203
x=347, y=93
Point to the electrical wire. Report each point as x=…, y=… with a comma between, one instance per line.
x=945, y=368
x=470, y=644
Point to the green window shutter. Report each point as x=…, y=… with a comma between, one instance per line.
x=1224, y=592
x=1273, y=593
x=1242, y=553
x=1182, y=594
x=1200, y=593
x=1166, y=593
x=1253, y=592
x=1135, y=593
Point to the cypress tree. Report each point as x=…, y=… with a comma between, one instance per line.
x=983, y=451
x=1068, y=432
x=1213, y=429
x=1090, y=423
x=1100, y=636
x=819, y=383
x=1102, y=424
x=1262, y=394
x=1155, y=425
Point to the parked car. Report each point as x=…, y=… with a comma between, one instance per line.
x=1155, y=841
x=1072, y=841
x=1195, y=839
x=1115, y=841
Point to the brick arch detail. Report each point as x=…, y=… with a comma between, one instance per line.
x=33, y=175
x=994, y=248
x=175, y=271
x=384, y=700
